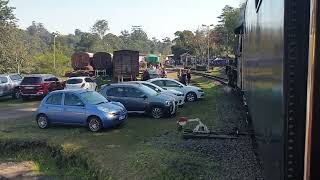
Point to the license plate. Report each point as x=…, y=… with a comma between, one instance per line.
x=122, y=117
x=29, y=87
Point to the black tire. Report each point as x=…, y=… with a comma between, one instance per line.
x=42, y=121
x=16, y=94
x=191, y=97
x=157, y=112
x=94, y=124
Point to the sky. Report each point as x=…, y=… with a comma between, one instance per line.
x=159, y=18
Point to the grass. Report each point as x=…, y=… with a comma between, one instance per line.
x=123, y=153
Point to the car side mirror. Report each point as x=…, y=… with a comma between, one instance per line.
x=180, y=86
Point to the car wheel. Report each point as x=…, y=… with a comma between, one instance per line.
x=157, y=112
x=94, y=124
x=191, y=97
x=16, y=94
x=42, y=121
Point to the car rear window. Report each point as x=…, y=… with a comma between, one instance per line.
x=88, y=80
x=15, y=77
x=74, y=81
x=31, y=80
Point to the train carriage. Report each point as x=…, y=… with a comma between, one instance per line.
x=274, y=65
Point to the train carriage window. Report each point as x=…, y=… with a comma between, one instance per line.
x=258, y=3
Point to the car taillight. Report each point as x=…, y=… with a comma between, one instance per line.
x=82, y=86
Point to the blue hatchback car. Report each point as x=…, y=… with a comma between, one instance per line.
x=80, y=107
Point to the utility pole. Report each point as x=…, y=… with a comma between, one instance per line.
x=208, y=36
x=55, y=34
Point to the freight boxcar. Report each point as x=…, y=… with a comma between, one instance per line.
x=102, y=61
x=277, y=69
x=82, y=61
x=126, y=64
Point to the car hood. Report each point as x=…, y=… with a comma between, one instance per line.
x=163, y=96
x=113, y=106
x=192, y=87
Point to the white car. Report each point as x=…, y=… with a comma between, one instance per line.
x=177, y=95
x=192, y=93
x=81, y=83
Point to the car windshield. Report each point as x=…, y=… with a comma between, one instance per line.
x=153, y=87
x=148, y=91
x=31, y=80
x=74, y=81
x=15, y=77
x=93, y=98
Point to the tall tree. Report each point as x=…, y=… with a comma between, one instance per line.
x=100, y=27
x=224, y=31
x=7, y=27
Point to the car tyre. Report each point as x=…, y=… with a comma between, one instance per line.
x=42, y=121
x=94, y=124
x=157, y=112
x=191, y=97
x=16, y=94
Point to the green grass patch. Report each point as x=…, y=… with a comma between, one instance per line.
x=123, y=153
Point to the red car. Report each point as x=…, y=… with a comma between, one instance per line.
x=39, y=85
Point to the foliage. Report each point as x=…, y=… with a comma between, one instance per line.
x=228, y=21
x=221, y=39
x=100, y=28
x=44, y=63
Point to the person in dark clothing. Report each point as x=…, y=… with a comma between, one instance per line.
x=145, y=75
x=189, y=76
x=184, y=78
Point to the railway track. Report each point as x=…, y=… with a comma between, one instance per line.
x=216, y=78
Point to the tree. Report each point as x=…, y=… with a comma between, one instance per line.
x=183, y=43
x=100, y=28
x=7, y=27
x=224, y=31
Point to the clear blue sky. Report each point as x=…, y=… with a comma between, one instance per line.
x=159, y=18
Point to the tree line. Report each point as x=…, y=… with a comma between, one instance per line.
x=31, y=50
x=220, y=38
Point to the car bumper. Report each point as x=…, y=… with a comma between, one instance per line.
x=115, y=120
x=171, y=110
x=34, y=94
x=180, y=100
x=200, y=95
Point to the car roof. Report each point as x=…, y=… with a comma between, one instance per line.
x=124, y=85
x=156, y=79
x=80, y=77
x=77, y=91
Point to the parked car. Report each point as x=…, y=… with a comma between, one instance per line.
x=80, y=107
x=39, y=85
x=9, y=85
x=140, y=99
x=177, y=95
x=80, y=83
x=192, y=93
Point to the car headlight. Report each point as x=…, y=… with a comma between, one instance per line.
x=167, y=103
x=200, y=90
x=104, y=109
